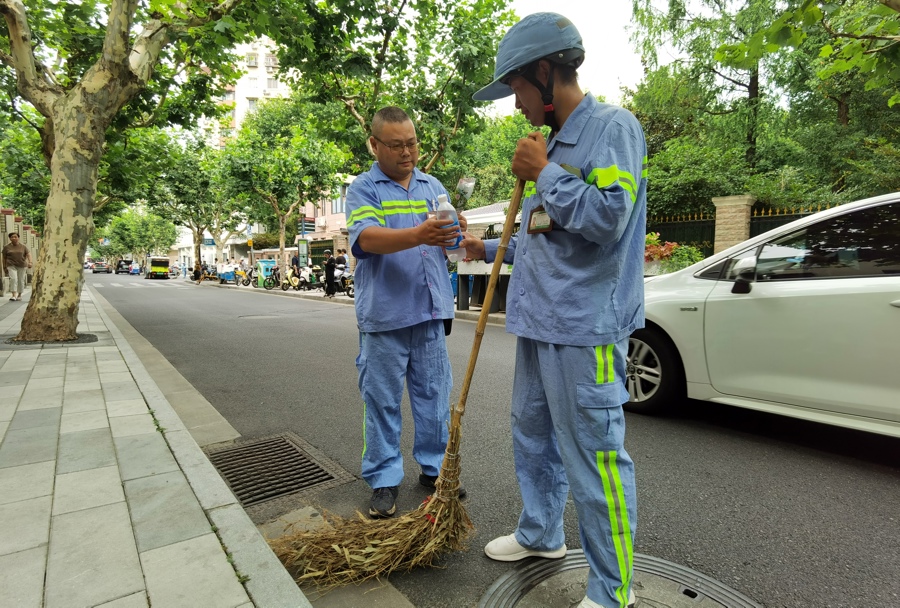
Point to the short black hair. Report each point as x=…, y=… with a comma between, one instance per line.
x=12, y=234
x=388, y=114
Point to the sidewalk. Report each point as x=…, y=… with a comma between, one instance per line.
x=105, y=497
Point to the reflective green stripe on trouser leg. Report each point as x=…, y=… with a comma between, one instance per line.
x=557, y=386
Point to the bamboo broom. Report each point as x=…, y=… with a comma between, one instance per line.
x=358, y=549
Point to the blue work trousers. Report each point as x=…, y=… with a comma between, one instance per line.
x=568, y=431
x=418, y=356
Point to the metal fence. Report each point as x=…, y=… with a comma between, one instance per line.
x=765, y=219
x=697, y=230
x=316, y=249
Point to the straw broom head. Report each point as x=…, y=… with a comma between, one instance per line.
x=358, y=549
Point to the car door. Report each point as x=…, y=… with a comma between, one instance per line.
x=820, y=327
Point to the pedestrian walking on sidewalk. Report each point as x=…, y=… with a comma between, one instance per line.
x=403, y=298
x=584, y=216
x=16, y=261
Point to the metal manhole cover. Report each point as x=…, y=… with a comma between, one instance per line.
x=263, y=469
x=658, y=584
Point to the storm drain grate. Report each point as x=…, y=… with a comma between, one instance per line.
x=268, y=468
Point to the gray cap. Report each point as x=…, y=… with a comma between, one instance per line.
x=327, y=251
x=537, y=36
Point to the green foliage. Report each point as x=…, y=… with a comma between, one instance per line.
x=485, y=155
x=266, y=240
x=278, y=163
x=139, y=234
x=671, y=256
x=361, y=54
x=803, y=142
x=859, y=37
x=682, y=256
x=24, y=177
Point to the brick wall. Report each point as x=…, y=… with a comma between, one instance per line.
x=732, y=220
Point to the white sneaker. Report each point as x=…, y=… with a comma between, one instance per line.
x=508, y=549
x=589, y=603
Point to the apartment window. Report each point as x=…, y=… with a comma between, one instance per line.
x=271, y=83
x=251, y=101
x=252, y=60
x=339, y=204
x=229, y=95
x=252, y=82
x=271, y=61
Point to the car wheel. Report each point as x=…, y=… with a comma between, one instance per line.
x=654, y=376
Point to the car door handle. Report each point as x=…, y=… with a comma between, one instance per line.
x=896, y=303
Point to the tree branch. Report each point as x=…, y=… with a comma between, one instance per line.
x=214, y=14
x=736, y=83
x=118, y=27
x=835, y=34
x=33, y=84
x=380, y=57
x=18, y=112
x=146, y=50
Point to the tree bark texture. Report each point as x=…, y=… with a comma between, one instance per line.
x=52, y=313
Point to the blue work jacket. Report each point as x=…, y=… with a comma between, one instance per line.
x=408, y=287
x=581, y=283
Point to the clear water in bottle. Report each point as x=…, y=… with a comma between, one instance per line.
x=446, y=211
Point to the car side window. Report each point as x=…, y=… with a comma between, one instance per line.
x=862, y=243
x=737, y=263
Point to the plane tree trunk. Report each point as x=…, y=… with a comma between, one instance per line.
x=52, y=313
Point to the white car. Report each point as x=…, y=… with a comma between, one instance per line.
x=802, y=321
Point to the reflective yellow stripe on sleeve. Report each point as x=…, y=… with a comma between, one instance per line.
x=388, y=208
x=604, y=177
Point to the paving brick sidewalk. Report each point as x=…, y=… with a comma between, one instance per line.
x=105, y=498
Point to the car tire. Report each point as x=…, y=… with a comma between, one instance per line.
x=654, y=373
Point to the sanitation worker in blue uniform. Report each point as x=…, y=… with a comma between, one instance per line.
x=403, y=296
x=574, y=297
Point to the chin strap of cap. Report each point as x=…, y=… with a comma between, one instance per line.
x=546, y=96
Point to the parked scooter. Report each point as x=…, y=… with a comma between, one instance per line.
x=290, y=280
x=273, y=279
x=343, y=280
x=311, y=277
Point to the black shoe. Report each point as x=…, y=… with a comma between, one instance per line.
x=429, y=480
x=382, y=503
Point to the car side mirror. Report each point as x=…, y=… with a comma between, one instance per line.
x=742, y=282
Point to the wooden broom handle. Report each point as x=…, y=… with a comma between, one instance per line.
x=511, y=214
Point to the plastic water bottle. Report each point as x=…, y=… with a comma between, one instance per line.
x=446, y=211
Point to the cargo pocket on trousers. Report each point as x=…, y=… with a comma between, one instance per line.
x=600, y=423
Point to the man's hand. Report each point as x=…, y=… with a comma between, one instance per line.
x=463, y=223
x=437, y=232
x=474, y=247
x=530, y=157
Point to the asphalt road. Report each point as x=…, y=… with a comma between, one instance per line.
x=790, y=513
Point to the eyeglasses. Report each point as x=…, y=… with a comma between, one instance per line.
x=398, y=148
